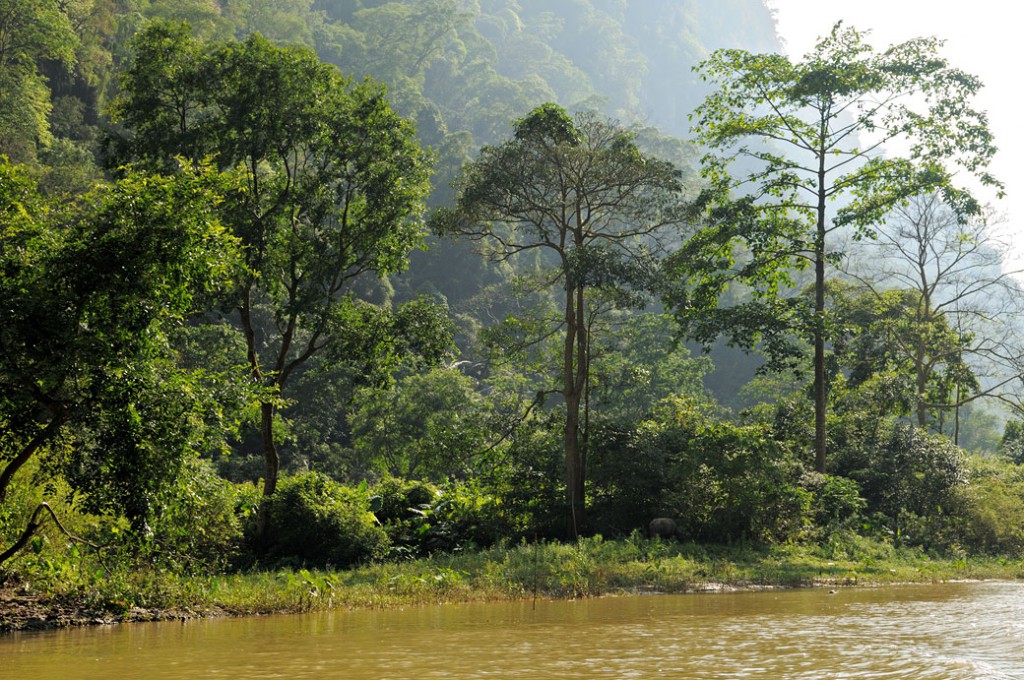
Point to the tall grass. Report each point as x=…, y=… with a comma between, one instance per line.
x=590, y=567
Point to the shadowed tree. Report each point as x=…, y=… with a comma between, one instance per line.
x=330, y=187
x=580, y=192
x=87, y=379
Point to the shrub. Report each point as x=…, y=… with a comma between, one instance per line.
x=466, y=514
x=900, y=468
x=834, y=500
x=728, y=482
x=1011, y=445
x=400, y=506
x=993, y=516
x=200, y=526
x=314, y=520
x=627, y=481
x=913, y=482
x=532, y=485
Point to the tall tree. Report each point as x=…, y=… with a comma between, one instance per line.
x=957, y=271
x=581, y=193
x=89, y=295
x=793, y=137
x=330, y=186
x=31, y=31
x=893, y=342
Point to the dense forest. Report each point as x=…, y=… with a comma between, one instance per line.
x=319, y=282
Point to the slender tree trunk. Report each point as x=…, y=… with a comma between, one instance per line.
x=582, y=380
x=271, y=454
x=922, y=388
x=956, y=418
x=574, y=372
x=271, y=451
x=30, y=529
x=820, y=396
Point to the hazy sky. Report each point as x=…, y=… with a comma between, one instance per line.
x=983, y=37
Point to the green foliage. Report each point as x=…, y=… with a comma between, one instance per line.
x=318, y=522
x=199, y=527
x=1011, y=445
x=835, y=501
x=784, y=141
x=628, y=481
x=910, y=480
x=90, y=291
x=993, y=517
x=427, y=426
x=322, y=183
x=328, y=191
x=396, y=500
x=455, y=516
x=725, y=482
x=902, y=350
x=376, y=342
x=399, y=506
x=976, y=429
x=579, y=194
x=637, y=362
x=532, y=487
x=465, y=514
x=31, y=31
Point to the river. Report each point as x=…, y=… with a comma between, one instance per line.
x=934, y=632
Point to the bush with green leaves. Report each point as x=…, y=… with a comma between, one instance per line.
x=400, y=506
x=315, y=521
x=900, y=468
x=726, y=482
x=835, y=501
x=992, y=519
x=421, y=518
x=1011, y=445
x=627, y=481
x=467, y=514
x=200, y=525
x=532, y=483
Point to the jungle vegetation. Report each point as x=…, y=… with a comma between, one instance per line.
x=320, y=283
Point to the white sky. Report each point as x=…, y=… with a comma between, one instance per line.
x=983, y=37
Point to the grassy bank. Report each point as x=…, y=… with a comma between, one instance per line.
x=80, y=592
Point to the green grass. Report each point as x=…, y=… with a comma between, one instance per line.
x=591, y=567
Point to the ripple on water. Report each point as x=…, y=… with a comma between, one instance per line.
x=948, y=632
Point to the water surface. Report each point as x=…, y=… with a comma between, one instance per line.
x=945, y=632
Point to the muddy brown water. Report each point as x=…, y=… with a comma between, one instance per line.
x=936, y=632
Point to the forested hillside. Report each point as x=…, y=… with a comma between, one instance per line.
x=462, y=70
x=344, y=280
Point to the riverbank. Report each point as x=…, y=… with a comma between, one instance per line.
x=590, y=568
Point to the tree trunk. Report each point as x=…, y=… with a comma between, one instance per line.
x=30, y=529
x=820, y=397
x=574, y=369
x=573, y=467
x=271, y=452
x=922, y=389
x=956, y=418
x=272, y=463
x=57, y=421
